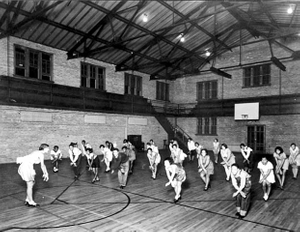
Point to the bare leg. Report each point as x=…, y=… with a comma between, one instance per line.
x=29, y=191
x=283, y=178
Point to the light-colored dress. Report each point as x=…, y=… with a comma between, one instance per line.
x=282, y=158
x=210, y=167
x=154, y=158
x=216, y=147
x=227, y=155
x=294, y=158
x=265, y=168
x=26, y=169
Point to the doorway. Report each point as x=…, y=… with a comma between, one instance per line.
x=256, y=138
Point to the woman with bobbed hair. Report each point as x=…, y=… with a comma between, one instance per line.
x=205, y=168
x=176, y=176
x=242, y=184
x=282, y=165
x=294, y=159
x=27, y=172
x=228, y=159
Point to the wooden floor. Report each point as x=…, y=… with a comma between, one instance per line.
x=144, y=205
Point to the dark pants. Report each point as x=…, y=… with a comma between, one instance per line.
x=77, y=169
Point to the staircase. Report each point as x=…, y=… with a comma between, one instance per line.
x=174, y=132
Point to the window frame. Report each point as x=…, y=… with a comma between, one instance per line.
x=133, y=84
x=257, y=76
x=207, y=90
x=162, y=91
x=207, y=126
x=25, y=70
x=90, y=72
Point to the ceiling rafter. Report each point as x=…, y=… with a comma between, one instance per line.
x=7, y=12
x=40, y=11
x=156, y=39
x=139, y=6
x=266, y=11
x=194, y=24
x=77, y=32
x=104, y=20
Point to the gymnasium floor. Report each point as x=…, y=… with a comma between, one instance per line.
x=144, y=205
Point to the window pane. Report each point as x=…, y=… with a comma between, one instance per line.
x=200, y=90
x=33, y=64
x=214, y=89
x=206, y=126
x=200, y=131
x=247, y=77
x=206, y=90
x=20, y=62
x=101, y=78
x=266, y=74
x=214, y=126
x=46, y=67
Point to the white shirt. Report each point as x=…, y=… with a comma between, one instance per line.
x=56, y=154
x=191, y=145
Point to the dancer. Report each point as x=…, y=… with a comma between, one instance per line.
x=198, y=149
x=266, y=176
x=294, y=159
x=154, y=160
x=121, y=163
x=27, y=172
x=177, y=154
x=282, y=165
x=94, y=163
x=132, y=156
x=85, y=145
x=205, y=168
x=242, y=184
x=56, y=156
x=176, y=176
x=247, y=154
x=192, y=149
x=107, y=156
x=75, y=157
x=228, y=159
x=216, y=149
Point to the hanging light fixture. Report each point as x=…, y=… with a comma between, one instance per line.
x=145, y=18
x=207, y=53
x=290, y=10
x=181, y=36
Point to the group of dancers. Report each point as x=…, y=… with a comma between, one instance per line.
x=123, y=162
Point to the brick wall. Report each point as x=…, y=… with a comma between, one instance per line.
x=20, y=136
x=184, y=89
x=280, y=131
x=67, y=72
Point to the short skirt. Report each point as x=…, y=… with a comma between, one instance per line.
x=285, y=165
x=96, y=162
x=209, y=168
x=26, y=171
x=132, y=155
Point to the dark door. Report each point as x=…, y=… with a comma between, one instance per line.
x=256, y=138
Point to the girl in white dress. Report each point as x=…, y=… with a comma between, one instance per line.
x=228, y=159
x=216, y=149
x=282, y=165
x=27, y=172
x=176, y=176
x=154, y=160
x=266, y=176
x=294, y=159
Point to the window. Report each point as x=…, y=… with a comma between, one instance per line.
x=133, y=84
x=32, y=63
x=92, y=76
x=207, y=126
x=258, y=75
x=162, y=91
x=207, y=90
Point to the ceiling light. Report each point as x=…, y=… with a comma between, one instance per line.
x=290, y=10
x=207, y=53
x=145, y=18
x=181, y=36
